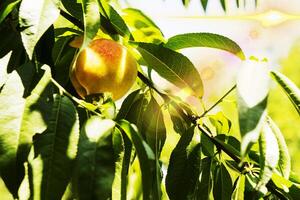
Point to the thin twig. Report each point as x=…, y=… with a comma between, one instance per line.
x=217, y=102
x=78, y=101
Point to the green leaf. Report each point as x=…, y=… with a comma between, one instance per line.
x=35, y=20
x=205, y=181
x=185, y=2
x=294, y=177
x=238, y=192
x=3, y=69
x=154, y=127
x=204, y=4
x=95, y=160
x=22, y=115
x=180, y=120
x=128, y=104
x=73, y=7
x=291, y=90
x=122, y=150
x=55, y=151
x=211, y=40
x=284, y=162
x=223, y=4
x=115, y=19
x=252, y=91
x=63, y=56
x=7, y=7
x=144, y=154
x=143, y=29
x=183, y=171
x=222, y=183
x=220, y=122
x=237, y=3
x=172, y=66
x=269, y=156
x=288, y=188
x=91, y=20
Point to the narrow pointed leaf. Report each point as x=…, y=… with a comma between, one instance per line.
x=269, y=156
x=95, y=160
x=223, y=183
x=211, y=40
x=114, y=19
x=35, y=20
x=154, y=127
x=238, y=192
x=55, y=151
x=204, y=4
x=291, y=90
x=284, y=162
x=172, y=66
x=205, y=180
x=144, y=154
x=91, y=20
x=252, y=91
x=183, y=170
x=128, y=104
x=122, y=149
x=223, y=4
x=7, y=7
x=21, y=117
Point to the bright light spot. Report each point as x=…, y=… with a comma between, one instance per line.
x=184, y=94
x=121, y=70
x=96, y=127
x=272, y=18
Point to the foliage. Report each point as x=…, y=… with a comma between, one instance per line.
x=55, y=145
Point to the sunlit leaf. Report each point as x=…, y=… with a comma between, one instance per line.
x=289, y=88
x=91, y=20
x=154, y=127
x=55, y=151
x=144, y=153
x=185, y=2
x=252, y=90
x=180, y=120
x=172, y=66
x=114, y=19
x=238, y=192
x=284, y=162
x=141, y=26
x=95, y=160
x=23, y=113
x=35, y=20
x=289, y=189
x=269, y=156
x=211, y=40
x=220, y=122
x=7, y=7
x=122, y=150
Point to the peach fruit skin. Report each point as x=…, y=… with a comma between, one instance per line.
x=104, y=66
